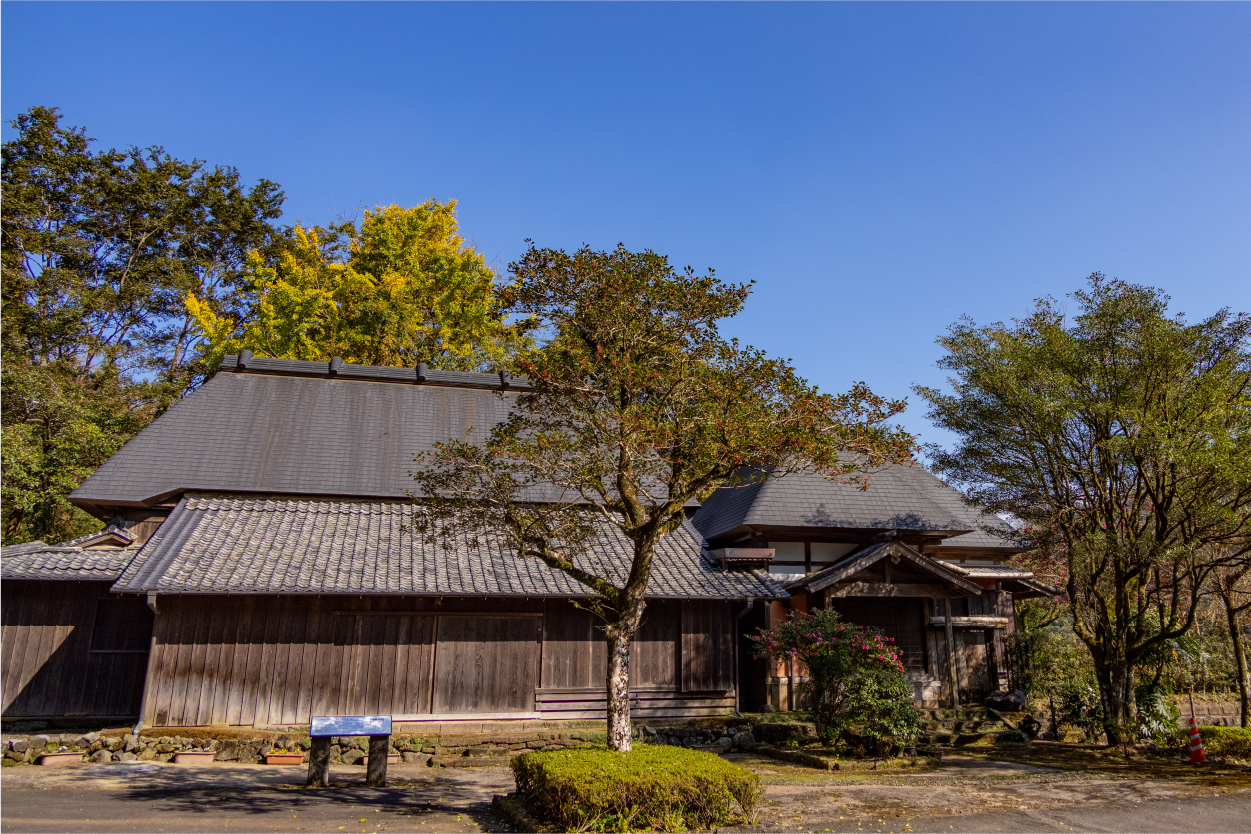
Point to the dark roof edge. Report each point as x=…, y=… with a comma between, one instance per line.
x=337, y=369
x=356, y=592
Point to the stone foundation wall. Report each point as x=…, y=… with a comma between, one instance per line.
x=1210, y=713
x=474, y=746
x=250, y=747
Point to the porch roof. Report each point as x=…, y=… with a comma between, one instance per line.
x=85, y=558
x=904, y=497
x=241, y=544
x=944, y=573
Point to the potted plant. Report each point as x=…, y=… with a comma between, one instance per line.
x=284, y=757
x=192, y=757
x=60, y=757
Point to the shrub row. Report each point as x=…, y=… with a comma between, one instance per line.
x=658, y=788
x=1226, y=742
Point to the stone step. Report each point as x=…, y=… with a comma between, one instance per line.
x=963, y=726
x=469, y=761
x=962, y=739
x=962, y=714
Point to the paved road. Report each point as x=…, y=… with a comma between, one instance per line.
x=230, y=798
x=404, y=809
x=1212, y=814
x=239, y=798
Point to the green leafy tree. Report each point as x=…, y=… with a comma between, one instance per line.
x=98, y=250
x=404, y=286
x=1233, y=588
x=1049, y=563
x=1122, y=437
x=856, y=681
x=59, y=424
x=639, y=407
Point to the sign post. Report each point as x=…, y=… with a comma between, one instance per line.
x=324, y=727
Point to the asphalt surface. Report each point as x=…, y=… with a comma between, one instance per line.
x=168, y=798
x=1215, y=814
x=234, y=798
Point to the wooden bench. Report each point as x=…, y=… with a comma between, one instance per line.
x=323, y=727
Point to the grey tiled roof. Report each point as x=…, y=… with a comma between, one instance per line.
x=233, y=544
x=979, y=539
x=74, y=559
x=991, y=571
x=900, y=497
x=64, y=563
x=307, y=435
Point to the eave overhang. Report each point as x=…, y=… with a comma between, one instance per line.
x=895, y=550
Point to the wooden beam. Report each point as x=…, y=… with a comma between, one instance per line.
x=951, y=656
x=972, y=622
x=885, y=589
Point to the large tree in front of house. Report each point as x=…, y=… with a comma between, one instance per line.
x=639, y=406
x=1122, y=436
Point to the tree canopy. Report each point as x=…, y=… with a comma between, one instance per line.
x=99, y=249
x=1122, y=436
x=403, y=287
x=639, y=406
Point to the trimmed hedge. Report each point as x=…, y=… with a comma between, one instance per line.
x=1226, y=742
x=653, y=787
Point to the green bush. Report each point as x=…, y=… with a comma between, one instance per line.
x=1226, y=742
x=856, y=681
x=657, y=788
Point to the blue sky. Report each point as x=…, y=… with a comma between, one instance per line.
x=879, y=170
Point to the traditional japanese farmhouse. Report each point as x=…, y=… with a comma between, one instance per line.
x=260, y=566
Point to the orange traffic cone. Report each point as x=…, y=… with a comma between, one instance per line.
x=1196, y=744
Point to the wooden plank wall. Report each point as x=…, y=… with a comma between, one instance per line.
x=644, y=703
x=251, y=660
x=50, y=665
x=486, y=663
x=574, y=663
x=707, y=646
x=254, y=660
x=575, y=652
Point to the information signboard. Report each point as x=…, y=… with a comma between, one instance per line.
x=350, y=725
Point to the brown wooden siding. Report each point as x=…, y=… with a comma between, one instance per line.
x=573, y=648
x=250, y=660
x=72, y=649
x=707, y=646
x=644, y=703
x=486, y=663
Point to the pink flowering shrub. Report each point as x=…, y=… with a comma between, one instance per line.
x=857, y=682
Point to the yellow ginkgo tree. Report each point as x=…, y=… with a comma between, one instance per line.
x=402, y=287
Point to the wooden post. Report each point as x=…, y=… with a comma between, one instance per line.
x=951, y=655
x=376, y=771
x=319, y=763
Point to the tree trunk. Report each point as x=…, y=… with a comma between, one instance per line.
x=1240, y=656
x=1116, y=695
x=618, y=686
